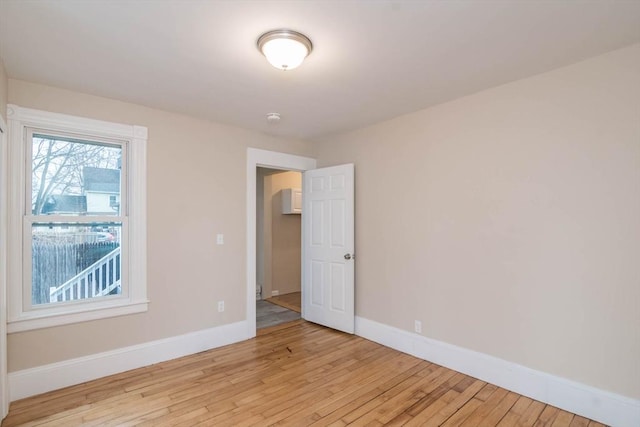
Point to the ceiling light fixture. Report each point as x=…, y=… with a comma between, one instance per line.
x=284, y=49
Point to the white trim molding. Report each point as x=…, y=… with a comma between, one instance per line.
x=274, y=160
x=30, y=382
x=83, y=313
x=600, y=405
x=4, y=385
x=133, y=139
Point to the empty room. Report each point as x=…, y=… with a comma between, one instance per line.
x=318, y=212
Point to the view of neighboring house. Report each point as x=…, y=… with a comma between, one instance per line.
x=101, y=195
x=101, y=190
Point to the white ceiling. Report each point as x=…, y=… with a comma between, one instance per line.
x=372, y=60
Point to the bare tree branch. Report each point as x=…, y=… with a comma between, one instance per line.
x=57, y=167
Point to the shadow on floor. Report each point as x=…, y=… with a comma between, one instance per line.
x=291, y=301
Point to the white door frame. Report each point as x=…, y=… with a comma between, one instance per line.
x=4, y=382
x=273, y=160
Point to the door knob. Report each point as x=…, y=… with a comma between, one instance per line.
x=349, y=256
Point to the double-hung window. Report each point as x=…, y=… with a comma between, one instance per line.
x=77, y=226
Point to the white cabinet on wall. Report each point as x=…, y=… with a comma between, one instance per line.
x=291, y=201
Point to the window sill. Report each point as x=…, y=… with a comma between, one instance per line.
x=32, y=321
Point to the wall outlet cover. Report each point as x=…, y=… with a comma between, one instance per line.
x=417, y=327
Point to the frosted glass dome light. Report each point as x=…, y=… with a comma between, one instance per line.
x=284, y=49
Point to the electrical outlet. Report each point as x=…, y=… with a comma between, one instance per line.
x=220, y=239
x=417, y=326
x=220, y=306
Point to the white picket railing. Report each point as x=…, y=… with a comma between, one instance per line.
x=99, y=279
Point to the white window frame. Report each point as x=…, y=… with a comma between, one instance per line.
x=134, y=299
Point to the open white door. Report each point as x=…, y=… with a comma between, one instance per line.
x=328, y=282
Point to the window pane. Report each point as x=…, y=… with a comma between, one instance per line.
x=74, y=177
x=75, y=261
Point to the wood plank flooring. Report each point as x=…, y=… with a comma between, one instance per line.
x=298, y=374
x=290, y=301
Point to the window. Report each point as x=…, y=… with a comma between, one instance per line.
x=76, y=233
x=82, y=219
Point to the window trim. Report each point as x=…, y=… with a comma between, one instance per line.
x=4, y=382
x=20, y=319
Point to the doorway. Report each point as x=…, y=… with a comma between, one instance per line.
x=328, y=237
x=278, y=246
x=257, y=158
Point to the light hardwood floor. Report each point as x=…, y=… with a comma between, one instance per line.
x=298, y=374
x=290, y=301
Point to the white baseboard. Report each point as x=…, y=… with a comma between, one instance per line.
x=590, y=402
x=584, y=400
x=41, y=379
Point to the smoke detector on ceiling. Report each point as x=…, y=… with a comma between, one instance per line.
x=273, y=118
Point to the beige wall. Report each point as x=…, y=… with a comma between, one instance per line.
x=196, y=188
x=508, y=221
x=260, y=229
x=4, y=88
x=279, y=238
x=285, y=237
x=263, y=230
